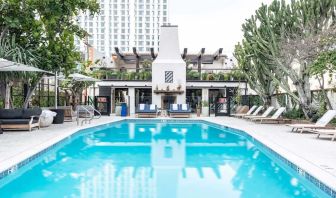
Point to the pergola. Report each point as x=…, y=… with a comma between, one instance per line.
x=197, y=59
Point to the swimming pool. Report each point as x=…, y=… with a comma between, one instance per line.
x=157, y=158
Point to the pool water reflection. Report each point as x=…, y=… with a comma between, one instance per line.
x=157, y=159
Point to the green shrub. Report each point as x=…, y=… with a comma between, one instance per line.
x=294, y=114
x=205, y=103
x=204, y=76
x=255, y=100
x=131, y=75
x=193, y=75
x=227, y=77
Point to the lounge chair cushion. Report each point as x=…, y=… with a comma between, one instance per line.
x=152, y=107
x=326, y=118
x=179, y=109
x=174, y=107
x=147, y=109
x=184, y=107
x=11, y=113
x=142, y=107
x=17, y=121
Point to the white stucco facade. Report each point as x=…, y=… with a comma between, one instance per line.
x=169, y=60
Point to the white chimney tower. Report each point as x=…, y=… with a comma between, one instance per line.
x=168, y=70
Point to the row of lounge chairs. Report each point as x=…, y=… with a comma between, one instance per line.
x=174, y=111
x=320, y=127
x=253, y=115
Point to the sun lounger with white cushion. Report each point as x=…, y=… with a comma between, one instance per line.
x=244, y=114
x=320, y=124
x=275, y=117
x=264, y=115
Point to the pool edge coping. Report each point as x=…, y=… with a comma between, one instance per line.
x=300, y=165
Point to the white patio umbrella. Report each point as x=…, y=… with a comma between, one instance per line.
x=82, y=78
x=10, y=66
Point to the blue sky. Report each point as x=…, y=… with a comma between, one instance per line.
x=211, y=23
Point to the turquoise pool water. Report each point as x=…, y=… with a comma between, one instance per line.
x=157, y=159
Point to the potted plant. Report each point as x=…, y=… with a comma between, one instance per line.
x=205, y=108
x=210, y=76
x=195, y=75
x=114, y=75
x=204, y=76
x=198, y=109
x=179, y=87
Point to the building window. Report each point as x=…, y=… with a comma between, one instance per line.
x=169, y=76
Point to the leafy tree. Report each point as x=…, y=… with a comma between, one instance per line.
x=324, y=64
x=48, y=27
x=77, y=87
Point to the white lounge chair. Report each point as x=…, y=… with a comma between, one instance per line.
x=275, y=117
x=320, y=124
x=255, y=113
x=264, y=115
x=244, y=114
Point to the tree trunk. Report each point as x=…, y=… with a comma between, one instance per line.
x=289, y=102
x=7, y=95
x=267, y=100
x=31, y=91
x=321, y=83
x=275, y=102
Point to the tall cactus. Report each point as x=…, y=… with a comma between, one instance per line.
x=273, y=39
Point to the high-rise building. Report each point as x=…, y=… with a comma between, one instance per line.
x=124, y=24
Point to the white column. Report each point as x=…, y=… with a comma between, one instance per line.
x=205, y=94
x=131, y=94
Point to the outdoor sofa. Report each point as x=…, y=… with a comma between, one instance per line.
x=179, y=111
x=146, y=111
x=20, y=119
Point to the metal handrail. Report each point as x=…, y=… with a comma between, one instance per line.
x=89, y=113
x=94, y=110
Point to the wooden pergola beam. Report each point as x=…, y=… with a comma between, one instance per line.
x=185, y=52
x=218, y=53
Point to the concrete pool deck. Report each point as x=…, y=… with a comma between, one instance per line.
x=315, y=156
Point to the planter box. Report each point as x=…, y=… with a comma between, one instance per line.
x=205, y=111
x=118, y=110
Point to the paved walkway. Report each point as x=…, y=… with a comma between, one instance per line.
x=316, y=156
x=15, y=146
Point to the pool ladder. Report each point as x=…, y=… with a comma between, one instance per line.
x=87, y=112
